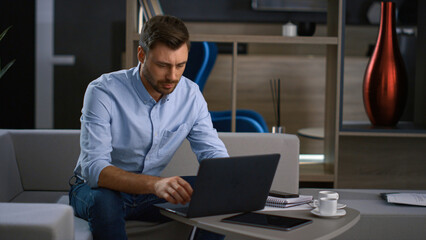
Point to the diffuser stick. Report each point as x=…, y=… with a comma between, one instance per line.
x=272, y=85
x=278, y=103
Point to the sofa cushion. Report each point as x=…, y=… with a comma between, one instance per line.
x=10, y=179
x=184, y=162
x=46, y=158
x=287, y=175
x=38, y=197
x=36, y=221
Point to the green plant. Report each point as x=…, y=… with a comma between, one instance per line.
x=3, y=70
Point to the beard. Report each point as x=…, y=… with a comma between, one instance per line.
x=158, y=85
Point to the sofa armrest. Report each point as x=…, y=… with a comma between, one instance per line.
x=43, y=221
x=10, y=179
x=48, y=153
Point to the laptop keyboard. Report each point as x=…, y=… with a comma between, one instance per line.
x=181, y=209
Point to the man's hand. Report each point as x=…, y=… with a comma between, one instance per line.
x=174, y=190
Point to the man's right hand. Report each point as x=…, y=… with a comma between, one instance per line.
x=173, y=189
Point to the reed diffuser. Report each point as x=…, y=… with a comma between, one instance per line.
x=276, y=99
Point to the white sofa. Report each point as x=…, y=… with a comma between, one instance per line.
x=35, y=166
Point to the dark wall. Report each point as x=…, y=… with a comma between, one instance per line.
x=94, y=32
x=232, y=11
x=420, y=87
x=241, y=11
x=17, y=85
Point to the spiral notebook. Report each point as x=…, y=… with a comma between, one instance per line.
x=287, y=202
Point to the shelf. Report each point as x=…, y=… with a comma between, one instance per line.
x=259, y=39
x=264, y=39
x=314, y=172
x=387, y=158
x=332, y=39
x=313, y=133
x=403, y=129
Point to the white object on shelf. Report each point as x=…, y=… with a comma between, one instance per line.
x=289, y=30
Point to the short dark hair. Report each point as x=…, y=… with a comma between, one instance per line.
x=165, y=29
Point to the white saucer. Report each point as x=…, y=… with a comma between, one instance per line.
x=314, y=204
x=339, y=213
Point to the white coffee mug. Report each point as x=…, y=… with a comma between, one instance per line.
x=328, y=194
x=325, y=194
x=328, y=206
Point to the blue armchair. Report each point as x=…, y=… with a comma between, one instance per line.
x=201, y=60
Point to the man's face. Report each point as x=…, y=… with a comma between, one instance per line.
x=162, y=68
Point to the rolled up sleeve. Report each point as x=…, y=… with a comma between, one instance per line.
x=204, y=140
x=95, y=138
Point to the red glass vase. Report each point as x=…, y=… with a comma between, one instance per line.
x=385, y=80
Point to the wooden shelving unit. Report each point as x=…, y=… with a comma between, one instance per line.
x=314, y=172
x=334, y=72
x=402, y=129
x=356, y=156
x=395, y=158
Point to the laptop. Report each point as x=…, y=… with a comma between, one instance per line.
x=229, y=185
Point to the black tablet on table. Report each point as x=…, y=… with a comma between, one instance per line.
x=267, y=221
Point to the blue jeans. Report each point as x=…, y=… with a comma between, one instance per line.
x=107, y=210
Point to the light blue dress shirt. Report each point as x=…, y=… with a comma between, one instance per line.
x=122, y=125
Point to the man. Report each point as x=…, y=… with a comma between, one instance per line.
x=132, y=123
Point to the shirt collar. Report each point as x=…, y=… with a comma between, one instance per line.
x=138, y=85
x=141, y=90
